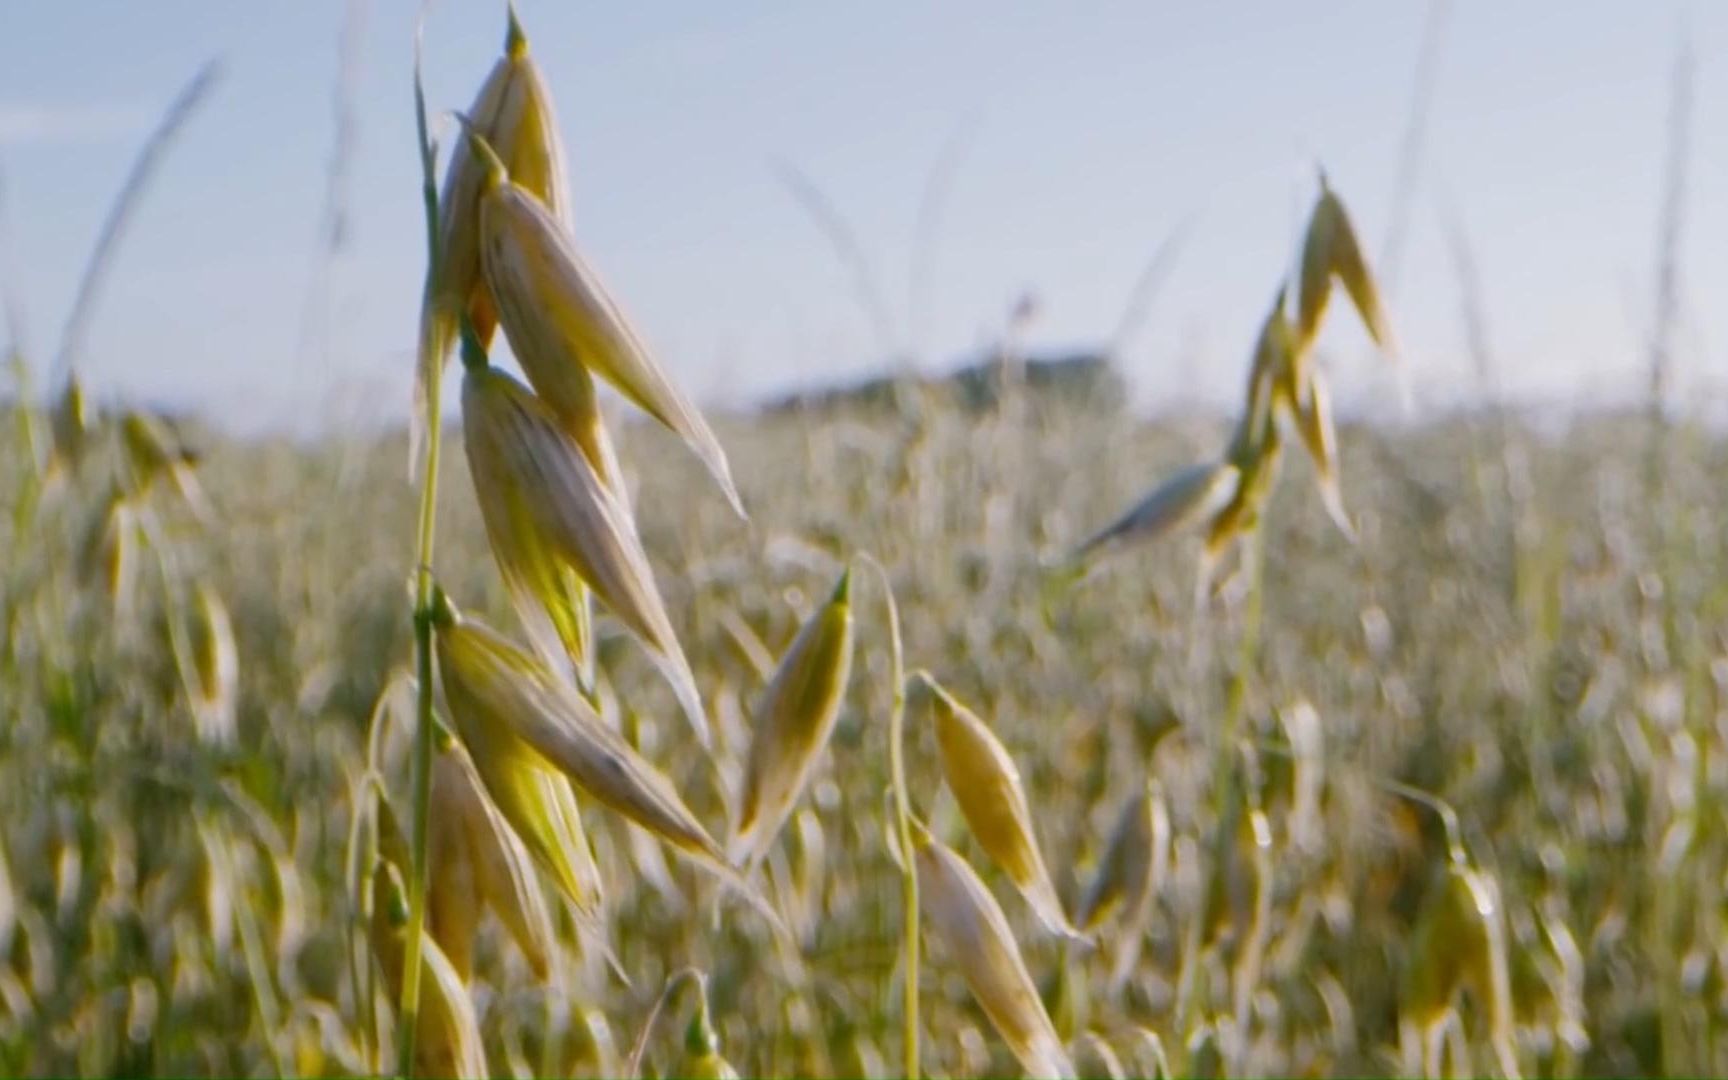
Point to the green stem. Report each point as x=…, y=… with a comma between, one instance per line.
x=423, y=592
x=352, y=874
x=909, y=873
x=902, y=822
x=1235, y=704
x=1247, y=655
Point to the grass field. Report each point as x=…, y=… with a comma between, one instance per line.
x=1528, y=630
x=1404, y=752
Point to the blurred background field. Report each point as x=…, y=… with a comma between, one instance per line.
x=1527, y=630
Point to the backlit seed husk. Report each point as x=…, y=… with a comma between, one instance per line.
x=478, y=862
x=503, y=875
x=565, y=329
x=110, y=548
x=985, y=782
x=152, y=453
x=487, y=691
x=1274, y=361
x=1313, y=412
x=447, y=1035
x=216, y=664
x=793, y=721
x=967, y=920
x=546, y=512
x=1329, y=251
x=453, y=901
x=514, y=113
x=1133, y=864
x=1192, y=494
x=1239, y=870
x=1242, y=513
x=70, y=424
x=506, y=701
x=703, y=1060
x=1255, y=447
x=1460, y=944
x=149, y=448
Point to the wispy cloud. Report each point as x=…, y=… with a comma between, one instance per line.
x=23, y=123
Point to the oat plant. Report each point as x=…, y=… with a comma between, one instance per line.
x=557, y=514
x=1286, y=396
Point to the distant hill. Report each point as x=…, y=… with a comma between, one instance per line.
x=1088, y=378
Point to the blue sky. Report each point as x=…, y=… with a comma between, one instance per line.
x=1083, y=134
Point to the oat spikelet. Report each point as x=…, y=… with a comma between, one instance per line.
x=546, y=512
x=447, y=1038
x=513, y=112
x=506, y=700
x=702, y=1057
x=1192, y=494
x=1255, y=447
x=1134, y=861
x=549, y=597
x=1242, y=513
x=986, y=784
x=152, y=452
x=793, y=721
x=565, y=329
x=484, y=685
x=453, y=900
x=216, y=666
x=69, y=422
x=488, y=867
x=1128, y=877
x=109, y=549
x=1314, y=422
x=970, y=924
x=502, y=866
x=1330, y=251
x=1461, y=945
x=1274, y=364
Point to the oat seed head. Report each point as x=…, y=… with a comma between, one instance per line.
x=1133, y=864
x=969, y=923
x=1332, y=251
x=511, y=700
x=986, y=783
x=1314, y=423
x=513, y=113
x=453, y=901
x=487, y=685
x=448, y=1034
x=1190, y=495
x=546, y=510
x=499, y=865
x=793, y=721
x=565, y=328
x=216, y=662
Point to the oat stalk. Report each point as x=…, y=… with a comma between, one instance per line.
x=902, y=821
x=409, y=1012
